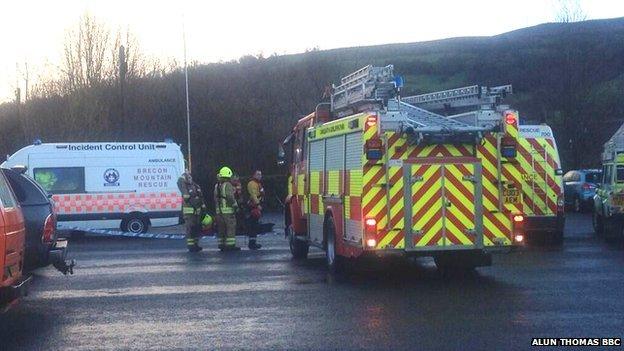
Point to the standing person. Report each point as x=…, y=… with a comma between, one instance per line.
x=193, y=208
x=226, y=207
x=256, y=196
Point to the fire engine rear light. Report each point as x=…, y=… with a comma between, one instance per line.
x=48, y=228
x=519, y=238
x=371, y=121
x=370, y=229
x=518, y=218
x=510, y=118
x=374, y=148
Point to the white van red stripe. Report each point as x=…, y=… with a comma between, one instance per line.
x=116, y=203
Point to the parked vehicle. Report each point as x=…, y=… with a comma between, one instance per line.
x=608, y=215
x=130, y=186
x=13, y=283
x=540, y=172
x=42, y=245
x=580, y=188
x=375, y=174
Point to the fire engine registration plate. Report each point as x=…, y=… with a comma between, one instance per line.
x=511, y=196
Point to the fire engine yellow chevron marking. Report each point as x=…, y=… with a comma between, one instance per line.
x=430, y=234
x=450, y=227
x=347, y=206
x=373, y=173
x=468, y=222
x=528, y=169
x=387, y=239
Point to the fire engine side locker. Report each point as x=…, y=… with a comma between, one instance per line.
x=436, y=216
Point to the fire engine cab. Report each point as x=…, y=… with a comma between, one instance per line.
x=373, y=173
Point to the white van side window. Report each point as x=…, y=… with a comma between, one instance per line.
x=61, y=180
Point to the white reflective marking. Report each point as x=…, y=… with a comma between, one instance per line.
x=274, y=285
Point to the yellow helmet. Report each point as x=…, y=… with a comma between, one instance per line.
x=207, y=220
x=225, y=172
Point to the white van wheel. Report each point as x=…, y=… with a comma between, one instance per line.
x=134, y=224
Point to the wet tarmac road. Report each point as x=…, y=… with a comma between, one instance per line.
x=151, y=294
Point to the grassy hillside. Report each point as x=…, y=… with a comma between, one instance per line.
x=570, y=76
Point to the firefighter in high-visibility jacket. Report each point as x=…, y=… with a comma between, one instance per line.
x=193, y=209
x=226, y=207
x=256, y=196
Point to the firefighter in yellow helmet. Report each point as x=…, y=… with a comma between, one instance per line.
x=226, y=207
x=193, y=210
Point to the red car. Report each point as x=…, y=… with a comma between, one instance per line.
x=12, y=237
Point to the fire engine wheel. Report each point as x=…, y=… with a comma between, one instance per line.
x=135, y=224
x=556, y=238
x=597, y=224
x=335, y=263
x=577, y=205
x=298, y=248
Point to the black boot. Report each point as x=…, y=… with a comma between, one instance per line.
x=231, y=248
x=253, y=245
x=195, y=248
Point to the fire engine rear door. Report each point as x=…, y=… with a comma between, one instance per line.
x=443, y=206
x=424, y=198
x=463, y=219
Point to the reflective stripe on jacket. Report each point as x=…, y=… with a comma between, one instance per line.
x=225, y=201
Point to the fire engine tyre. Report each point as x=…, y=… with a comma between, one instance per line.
x=556, y=238
x=298, y=248
x=598, y=224
x=577, y=206
x=135, y=223
x=335, y=263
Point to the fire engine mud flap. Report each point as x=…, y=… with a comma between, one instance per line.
x=443, y=206
x=463, y=259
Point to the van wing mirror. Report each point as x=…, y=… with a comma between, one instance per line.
x=281, y=156
x=21, y=169
x=558, y=172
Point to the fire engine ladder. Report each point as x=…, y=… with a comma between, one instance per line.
x=617, y=140
x=378, y=85
x=466, y=97
x=364, y=86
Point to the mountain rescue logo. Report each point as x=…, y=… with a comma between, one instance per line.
x=111, y=176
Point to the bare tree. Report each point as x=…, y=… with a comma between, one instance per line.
x=570, y=11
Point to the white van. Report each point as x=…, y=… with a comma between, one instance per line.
x=131, y=186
